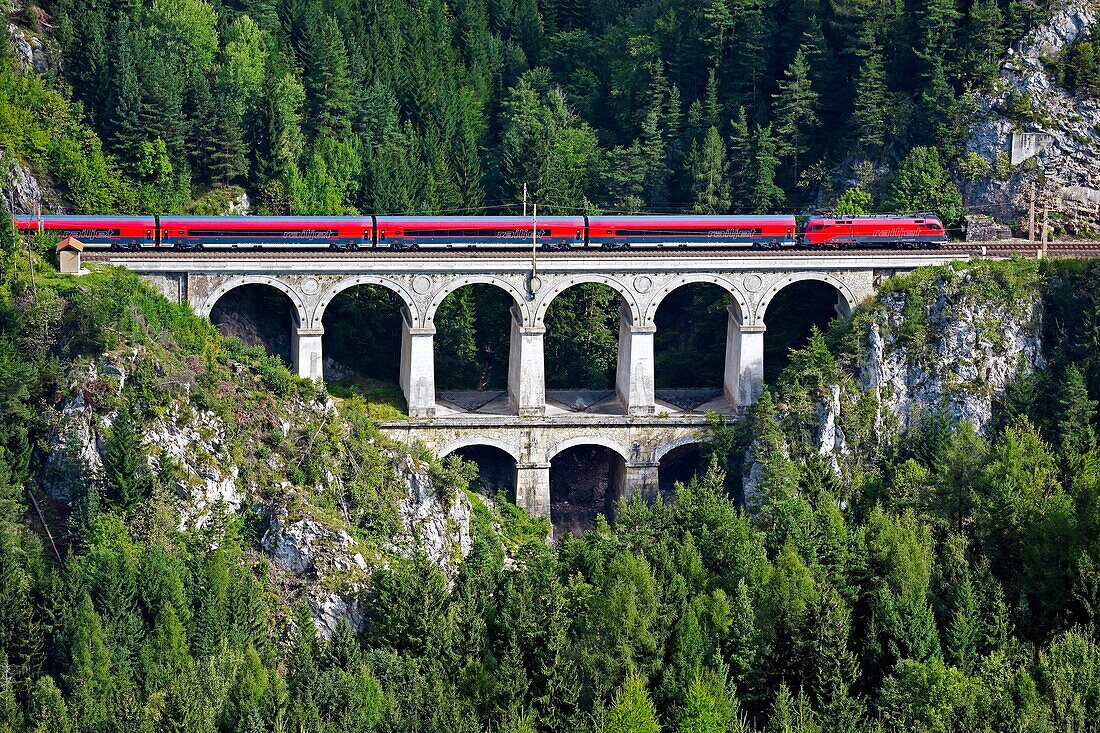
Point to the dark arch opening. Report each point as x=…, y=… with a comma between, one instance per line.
x=680, y=465
x=690, y=344
x=259, y=315
x=496, y=470
x=362, y=343
x=790, y=319
x=472, y=337
x=582, y=346
x=585, y=481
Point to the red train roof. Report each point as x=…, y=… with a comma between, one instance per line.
x=884, y=219
x=474, y=222
x=86, y=221
x=266, y=222
x=688, y=221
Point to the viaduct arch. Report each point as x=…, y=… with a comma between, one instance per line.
x=532, y=432
x=423, y=284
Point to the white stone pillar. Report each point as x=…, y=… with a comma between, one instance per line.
x=640, y=477
x=634, y=371
x=305, y=348
x=418, y=367
x=526, y=370
x=533, y=488
x=744, y=377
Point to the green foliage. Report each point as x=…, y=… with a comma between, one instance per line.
x=632, y=711
x=1078, y=67
x=853, y=202
x=922, y=185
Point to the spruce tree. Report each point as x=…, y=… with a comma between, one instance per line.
x=226, y=159
x=125, y=472
x=632, y=710
x=1076, y=412
x=327, y=80
x=794, y=111
x=871, y=106
x=741, y=161
x=766, y=195
x=963, y=632
x=710, y=185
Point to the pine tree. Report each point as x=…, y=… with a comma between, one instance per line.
x=1076, y=412
x=937, y=20
x=794, y=106
x=766, y=194
x=327, y=80
x=741, y=161
x=985, y=42
x=632, y=710
x=871, y=108
x=124, y=469
x=226, y=159
x=710, y=186
x=939, y=124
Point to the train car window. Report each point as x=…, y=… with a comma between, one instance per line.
x=494, y=233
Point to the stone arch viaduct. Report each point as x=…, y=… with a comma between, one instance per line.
x=639, y=430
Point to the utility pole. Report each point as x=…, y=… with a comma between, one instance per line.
x=534, y=241
x=1031, y=216
x=1046, y=212
x=525, y=199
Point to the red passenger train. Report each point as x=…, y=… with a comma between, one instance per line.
x=346, y=233
x=907, y=232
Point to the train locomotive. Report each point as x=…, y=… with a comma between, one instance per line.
x=348, y=233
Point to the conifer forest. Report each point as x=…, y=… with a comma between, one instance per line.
x=934, y=567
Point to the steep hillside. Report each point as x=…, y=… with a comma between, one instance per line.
x=1036, y=95
x=192, y=539
x=337, y=107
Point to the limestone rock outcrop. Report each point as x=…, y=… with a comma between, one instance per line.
x=974, y=347
x=1067, y=140
x=32, y=53
x=317, y=552
x=439, y=529
x=953, y=352
x=20, y=192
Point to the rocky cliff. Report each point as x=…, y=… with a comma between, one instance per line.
x=310, y=533
x=943, y=341
x=1057, y=131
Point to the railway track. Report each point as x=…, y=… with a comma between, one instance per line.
x=998, y=249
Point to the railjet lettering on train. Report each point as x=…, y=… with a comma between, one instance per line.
x=501, y=232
